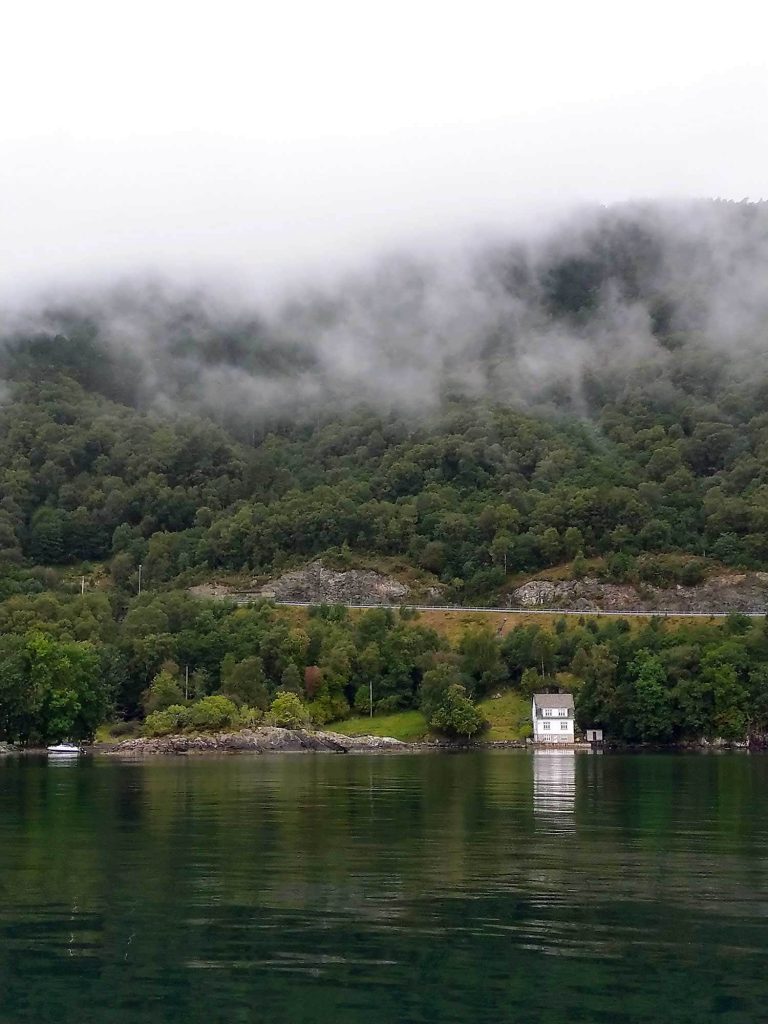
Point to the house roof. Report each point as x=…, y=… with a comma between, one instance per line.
x=553, y=700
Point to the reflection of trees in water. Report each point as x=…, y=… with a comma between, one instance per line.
x=224, y=860
x=286, y=831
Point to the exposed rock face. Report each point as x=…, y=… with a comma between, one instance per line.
x=732, y=592
x=6, y=748
x=265, y=740
x=317, y=584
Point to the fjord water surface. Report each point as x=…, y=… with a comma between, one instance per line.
x=505, y=886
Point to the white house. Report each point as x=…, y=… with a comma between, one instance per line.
x=552, y=715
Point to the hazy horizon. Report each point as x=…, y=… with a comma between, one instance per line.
x=266, y=146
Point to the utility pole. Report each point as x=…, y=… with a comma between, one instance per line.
x=82, y=585
x=370, y=697
x=139, y=579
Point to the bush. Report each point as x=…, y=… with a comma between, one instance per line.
x=579, y=567
x=362, y=701
x=120, y=730
x=320, y=711
x=288, y=712
x=328, y=709
x=215, y=712
x=653, y=570
x=692, y=573
x=164, y=692
x=621, y=567
x=388, y=705
x=249, y=718
x=456, y=715
x=169, y=720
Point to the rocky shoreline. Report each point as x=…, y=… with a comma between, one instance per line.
x=266, y=740
x=272, y=740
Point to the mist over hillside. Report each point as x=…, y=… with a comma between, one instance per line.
x=546, y=323
x=498, y=408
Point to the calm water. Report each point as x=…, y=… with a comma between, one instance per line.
x=491, y=886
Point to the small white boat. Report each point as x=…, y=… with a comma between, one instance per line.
x=64, y=750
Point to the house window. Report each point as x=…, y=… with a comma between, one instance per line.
x=547, y=712
x=563, y=725
x=562, y=712
x=546, y=725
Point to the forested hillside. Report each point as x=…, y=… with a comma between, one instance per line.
x=601, y=391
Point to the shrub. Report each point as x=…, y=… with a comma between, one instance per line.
x=692, y=573
x=362, y=701
x=320, y=712
x=652, y=570
x=215, y=712
x=388, y=705
x=169, y=720
x=579, y=567
x=288, y=712
x=164, y=692
x=621, y=567
x=119, y=730
x=249, y=718
x=456, y=715
x=328, y=709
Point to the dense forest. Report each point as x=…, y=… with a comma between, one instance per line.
x=600, y=392
x=67, y=663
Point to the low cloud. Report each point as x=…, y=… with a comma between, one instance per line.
x=522, y=319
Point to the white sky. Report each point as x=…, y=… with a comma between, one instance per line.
x=270, y=136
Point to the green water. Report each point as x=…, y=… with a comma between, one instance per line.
x=488, y=886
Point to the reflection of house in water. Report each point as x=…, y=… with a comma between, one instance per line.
x=554, y=782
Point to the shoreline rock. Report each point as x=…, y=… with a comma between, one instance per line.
x=265, y=740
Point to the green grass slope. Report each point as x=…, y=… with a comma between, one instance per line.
x=508, y=718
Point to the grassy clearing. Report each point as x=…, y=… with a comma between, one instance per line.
x=408, y=726
x=452, y=624
x=113, y=732
x=509, y=716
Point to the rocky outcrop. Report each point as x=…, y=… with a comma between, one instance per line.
x=317, y=584
x=266, y=740
x=730, y=592
x=6, y=748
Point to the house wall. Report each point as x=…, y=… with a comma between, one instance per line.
x=556, y=733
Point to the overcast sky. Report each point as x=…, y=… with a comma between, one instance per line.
x=269, y=137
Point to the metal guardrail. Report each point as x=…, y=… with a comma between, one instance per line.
x=522, y=611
